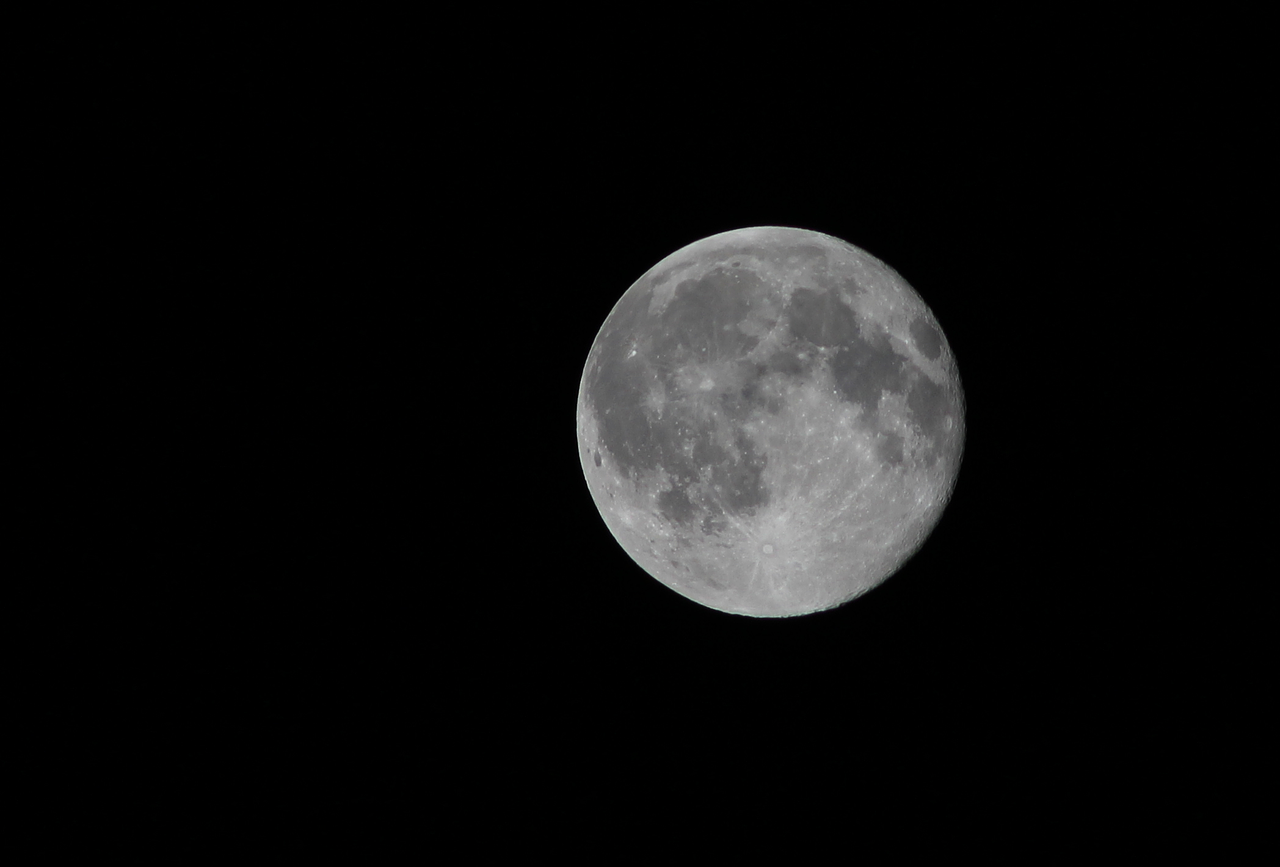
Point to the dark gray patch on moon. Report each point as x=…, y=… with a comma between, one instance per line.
x=706, y=453
x=865, y=368
x=926, y=338
x=739, y=482
x=821, y=318
x=889, y=448
x=714, y=522
x=694, y=322
x=616, y=388
x=624, y=428
x=804, y=251
x=786, y=362
x=698, y=325
x=676, y=506
x=929, y=405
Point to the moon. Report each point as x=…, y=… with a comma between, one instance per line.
x=770, y=421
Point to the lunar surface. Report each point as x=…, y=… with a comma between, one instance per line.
x=770, y=421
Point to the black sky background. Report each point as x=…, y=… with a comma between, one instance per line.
x=339, y=460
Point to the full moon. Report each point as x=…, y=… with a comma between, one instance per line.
x=770, y=421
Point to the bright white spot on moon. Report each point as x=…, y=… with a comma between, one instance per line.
x=768, y=549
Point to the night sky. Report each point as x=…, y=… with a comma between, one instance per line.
x=340, y=459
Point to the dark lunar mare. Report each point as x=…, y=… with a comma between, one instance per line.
x=927, y=339
x=930, y=405
x=693, y=323
x=821, y=318
x=616, y=389
x=889, y=447
x=691, y=329
x=866, y=368
x=863, y=369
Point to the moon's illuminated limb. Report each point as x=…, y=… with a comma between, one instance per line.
x=770, y=421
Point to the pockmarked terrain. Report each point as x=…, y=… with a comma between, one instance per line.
x=770, y=421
